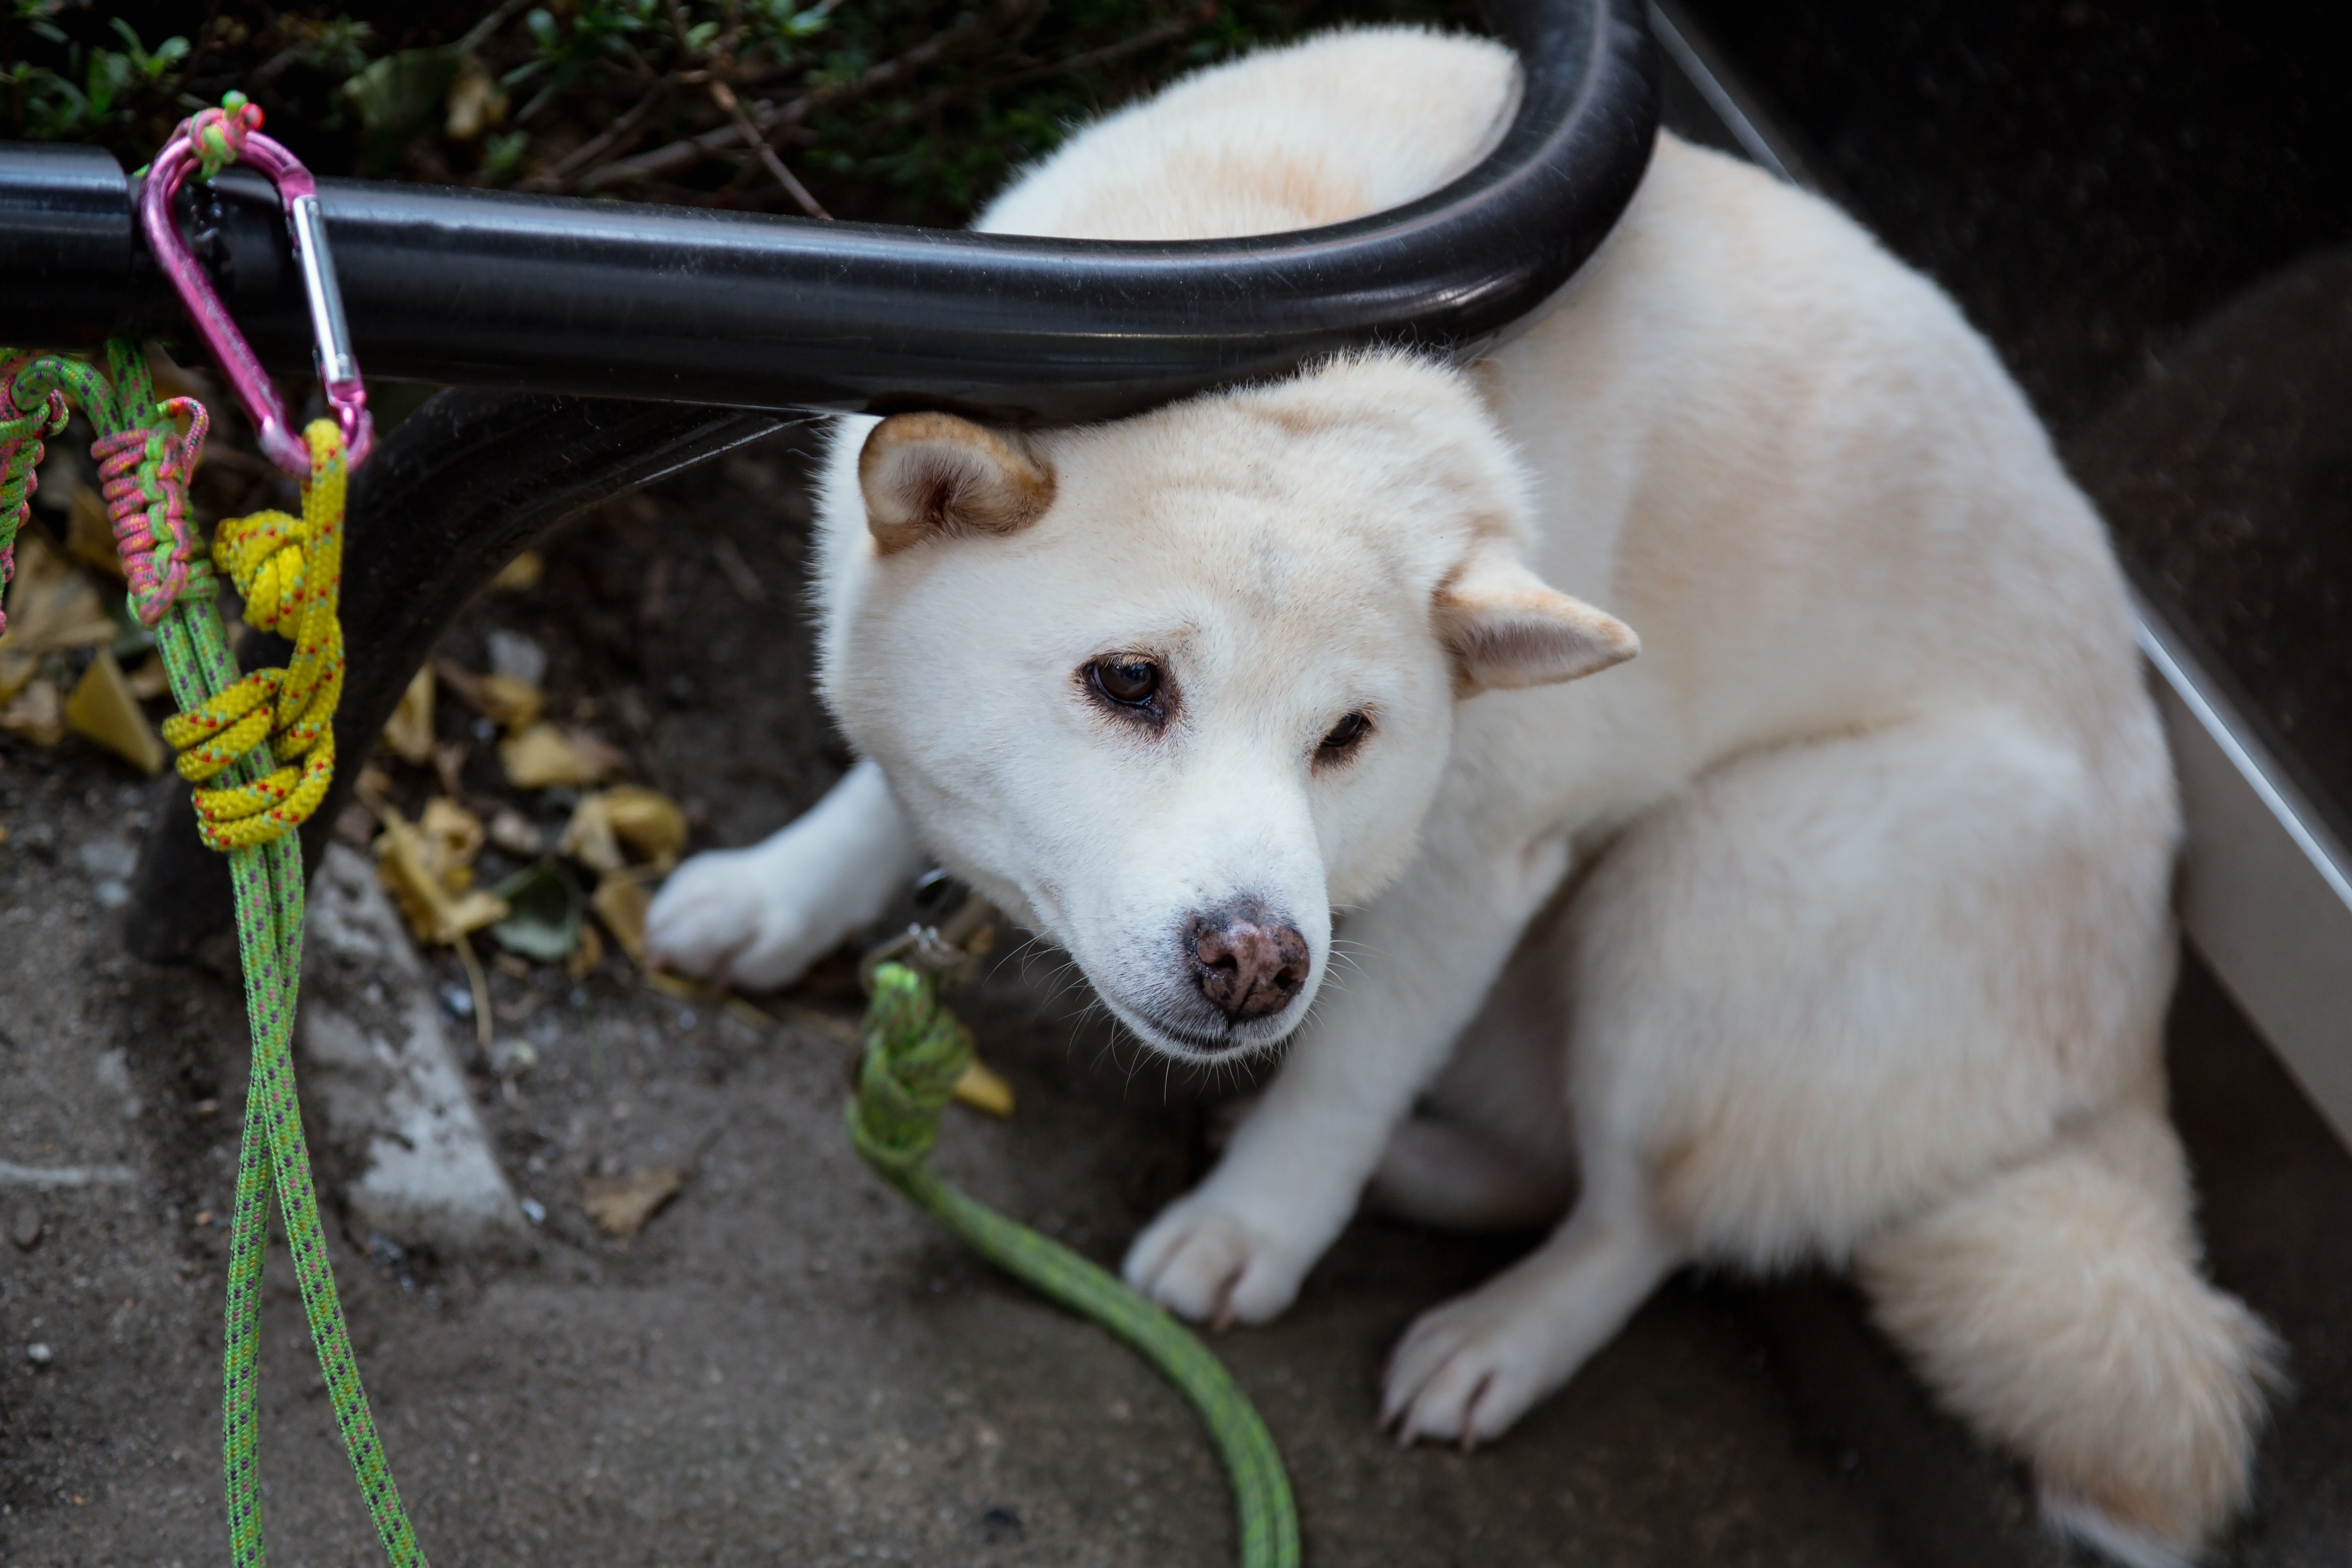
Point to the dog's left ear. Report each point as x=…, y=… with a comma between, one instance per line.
x=927, y=475
x=1505, y=628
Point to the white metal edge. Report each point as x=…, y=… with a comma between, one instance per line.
x=2265, y=890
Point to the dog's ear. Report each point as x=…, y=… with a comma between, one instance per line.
x=1505, y=628
x=926, y=475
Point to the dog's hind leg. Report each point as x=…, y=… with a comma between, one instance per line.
x=759, y=917
x=1468, y=1368
x=1442, y=1172
x=2058, y=1306
x=1490, y=1145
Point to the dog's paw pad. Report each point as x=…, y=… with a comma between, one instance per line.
x=1462, y=1374
x=1203, y=1264
x=723, y=916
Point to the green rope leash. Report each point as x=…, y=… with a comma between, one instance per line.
x=915, y=1051
x=144, y=465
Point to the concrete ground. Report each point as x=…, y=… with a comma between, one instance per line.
x=789, y=1366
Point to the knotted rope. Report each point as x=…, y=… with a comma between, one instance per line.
x=219, y=135
x=267, y=738
x=144, y=476
x=21, y=449
x=915, y=1051
x=290, y=574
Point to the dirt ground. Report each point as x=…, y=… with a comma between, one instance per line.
x=790, y=1366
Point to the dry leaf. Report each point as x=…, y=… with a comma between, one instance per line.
x=450, y=766
x=103, y=708
x=457, y=837
x=980, y=1088
x=612, y=827
x=621, y=902
x=51, y=606
x=589, y=837
x=415, y=869
x=506, y=701
x=35, y=714
x=544, y=756
x=151, y=679
x=624, y=1205
x=521, y=574
x=648, y=822
x=584, y=959
x=409, y=731
x=90, y=534
x=511, y=831
x=510, y=703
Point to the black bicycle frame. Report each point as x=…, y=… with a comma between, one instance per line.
x=572, y=306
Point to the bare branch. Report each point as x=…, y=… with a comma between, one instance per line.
x=612, y=141
x=1151, y=38
x=677, y=157
x=724, y=95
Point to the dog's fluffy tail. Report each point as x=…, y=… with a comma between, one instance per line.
x=2058, y=1306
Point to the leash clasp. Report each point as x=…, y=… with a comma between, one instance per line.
x=948, y=952
x=204, y=143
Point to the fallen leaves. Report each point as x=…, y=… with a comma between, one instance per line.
x=611, y=827
x=622, y=1206
x=983, y=1090
x=104, y=709
x=519, y=575
x=409, y=731
x=621, y=902
x=510, y=701
x=51, y=608
x=35, y=714
x=542, y=918
x=428, y=879
x=544, y=757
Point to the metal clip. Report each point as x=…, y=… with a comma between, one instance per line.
x=339, y=369
x=951, y=952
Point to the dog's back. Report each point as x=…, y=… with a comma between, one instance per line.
x=1346, y=125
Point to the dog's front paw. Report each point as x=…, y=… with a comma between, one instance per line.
x=1465, y=1370
x=1203, y=1263
x=734, y=917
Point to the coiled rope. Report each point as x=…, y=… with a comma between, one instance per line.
x=915, y=1050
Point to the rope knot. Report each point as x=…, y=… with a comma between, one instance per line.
x=290, y=574
x=22, y=435
x=218, y=134
x=143, y=477
x=915, y=1051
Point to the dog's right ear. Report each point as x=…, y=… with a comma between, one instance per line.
x=927, y=475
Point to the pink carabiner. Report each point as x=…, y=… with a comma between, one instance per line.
x=234, y=134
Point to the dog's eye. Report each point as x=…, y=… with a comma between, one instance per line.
x=1345, y=736
x=1129, y=682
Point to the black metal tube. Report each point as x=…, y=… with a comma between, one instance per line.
x=748, y=310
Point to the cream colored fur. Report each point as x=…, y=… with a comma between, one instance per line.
x=1868, y=948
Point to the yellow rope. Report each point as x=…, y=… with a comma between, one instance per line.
x=291, y=574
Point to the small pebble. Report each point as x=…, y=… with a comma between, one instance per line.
x=534, y=1211
x=37, y=1354
x=24, y=1229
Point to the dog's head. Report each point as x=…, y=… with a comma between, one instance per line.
x=1170, y=690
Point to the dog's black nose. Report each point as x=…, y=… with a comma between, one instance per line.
x=1247, y=960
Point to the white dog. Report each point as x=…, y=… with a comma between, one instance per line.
x=1860, y=947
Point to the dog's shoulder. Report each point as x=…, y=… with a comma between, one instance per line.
x=1333, y=127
